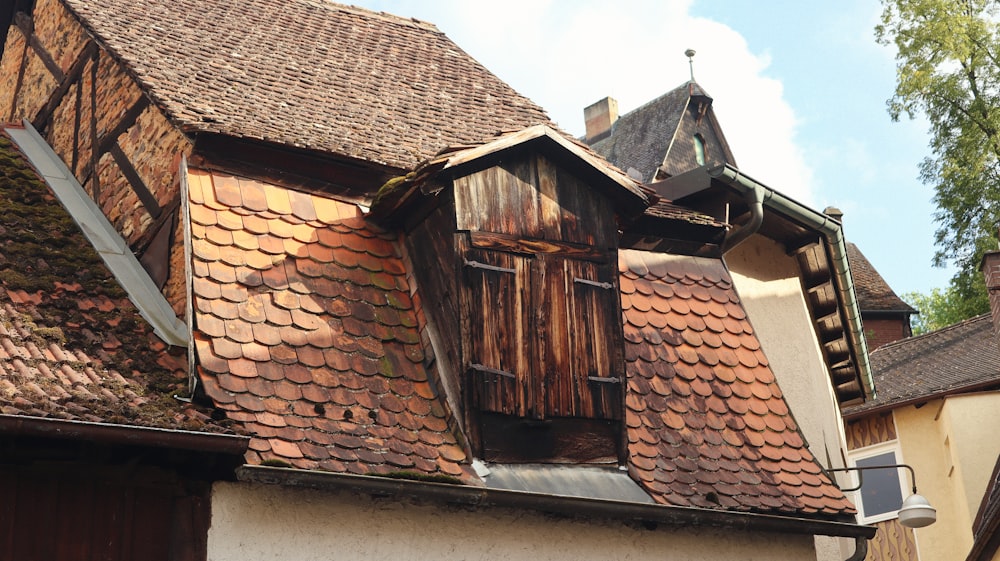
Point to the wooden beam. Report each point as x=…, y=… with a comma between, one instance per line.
x=26, y=25
x=130, y=173
x=512, y=244
x=110, y=138
x=88, y=53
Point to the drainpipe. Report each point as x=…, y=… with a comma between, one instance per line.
x=860, y=549
x=754, y=194
x=833, y=233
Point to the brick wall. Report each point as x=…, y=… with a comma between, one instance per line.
x=118, y=144
x=880, y=331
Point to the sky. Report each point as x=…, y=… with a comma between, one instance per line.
x=799, y=89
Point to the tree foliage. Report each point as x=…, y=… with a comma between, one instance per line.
x=947, y=68
x=941, y=308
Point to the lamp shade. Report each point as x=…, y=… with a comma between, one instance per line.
x=917, y=512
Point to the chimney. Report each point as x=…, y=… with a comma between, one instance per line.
x=599, y=118
x=990, y=266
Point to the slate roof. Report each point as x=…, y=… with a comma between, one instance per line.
x=873, y=293
x=640, y=138
x=72, y=345
x=963, y=355
x=306, y=333
x=707, y=424
x=309, y=73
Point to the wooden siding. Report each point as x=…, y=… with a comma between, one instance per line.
x=81, y=514
x=867, y=431
x=530, y=197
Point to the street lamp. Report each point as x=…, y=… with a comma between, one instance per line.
x=916, y=511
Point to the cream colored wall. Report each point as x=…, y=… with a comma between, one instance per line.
x=259, y=522
x=952, y=445
x=768, y=284
x=975, y=443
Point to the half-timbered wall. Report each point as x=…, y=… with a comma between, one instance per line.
x=93, y=113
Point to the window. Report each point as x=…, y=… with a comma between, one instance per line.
x=699, y=149
x=881, y=494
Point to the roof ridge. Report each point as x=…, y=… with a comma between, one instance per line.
x=656, y=99
x=944, y=329
x=351, y=8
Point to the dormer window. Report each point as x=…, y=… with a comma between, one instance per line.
x=699, y=149
x=521, y=256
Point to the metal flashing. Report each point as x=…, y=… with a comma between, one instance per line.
x=101, y=234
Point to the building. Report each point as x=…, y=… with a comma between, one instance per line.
x=937, y=404
x=397, y=307
x=885, y=317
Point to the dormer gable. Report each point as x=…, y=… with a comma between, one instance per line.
x=522, y=241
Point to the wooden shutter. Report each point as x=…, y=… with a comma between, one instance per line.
x=597, y=360
x=543, y=335
x=497, y=325
x=579, y=329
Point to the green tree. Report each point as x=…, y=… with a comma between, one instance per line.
x=947, y=68
x=941, y=308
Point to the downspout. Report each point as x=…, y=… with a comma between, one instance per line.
x=833, y=233
x=860, y=549
x=754, y=193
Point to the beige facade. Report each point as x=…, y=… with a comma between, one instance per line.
x=952, y=444
x=768, y=282
x=256, y=522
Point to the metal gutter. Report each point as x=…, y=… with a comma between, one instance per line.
x=124, y=434
x=833, y=232
x=904, y=402
x=483, y=497
x=102, y=235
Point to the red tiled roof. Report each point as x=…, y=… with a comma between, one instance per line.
x=72, y=345
x=707, y=424
x=307, y=73
x=307, y=336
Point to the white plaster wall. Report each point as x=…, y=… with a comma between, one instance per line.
x=767, y=281
x=252, y=522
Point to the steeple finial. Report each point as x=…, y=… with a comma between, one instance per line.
x=690, y=54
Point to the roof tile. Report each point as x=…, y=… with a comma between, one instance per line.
x=76, y=350
x=302, y=365
x=408, y=63
x=958, y=356
x=718, y=400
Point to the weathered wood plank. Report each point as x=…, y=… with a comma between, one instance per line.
x=525, y=246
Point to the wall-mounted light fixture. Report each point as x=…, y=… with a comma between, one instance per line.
x=916, y=511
